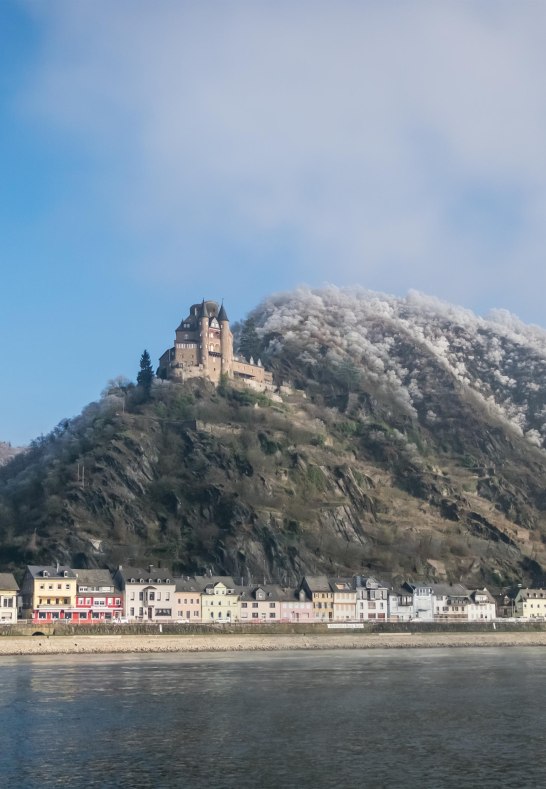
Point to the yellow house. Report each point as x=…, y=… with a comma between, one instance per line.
x=322, y=597
x=219, y=599
x=344, y=599
x=8, y=598
x=530, y=604
x=48, y=592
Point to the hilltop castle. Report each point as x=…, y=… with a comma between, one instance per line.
x=203, y=347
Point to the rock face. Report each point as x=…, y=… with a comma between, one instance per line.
x=411, y=443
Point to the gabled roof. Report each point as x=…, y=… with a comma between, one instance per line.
x=210, y=581
x=292, y=595
x=187, y=585
x=8, y=583
x=156, y=574
x=317, y=583
x=531, y=594
x=272, y=592
x=400, y=591
x=38, y=570
x=449, y=590
x=484, y=591
x=341, y=585
x=94, y=577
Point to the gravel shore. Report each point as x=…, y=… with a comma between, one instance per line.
x=69, y=645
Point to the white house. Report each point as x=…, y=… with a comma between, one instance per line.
x=149, y=593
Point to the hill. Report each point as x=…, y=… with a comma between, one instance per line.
x=412, y=443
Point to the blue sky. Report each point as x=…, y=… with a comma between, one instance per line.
x=155, y=153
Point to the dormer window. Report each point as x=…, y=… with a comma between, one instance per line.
x=65, y=574
x=158, y=580
x=141, y=580
x=167, y=580
x=45, y=574
x=132, y=580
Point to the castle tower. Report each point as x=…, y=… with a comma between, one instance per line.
x=203, y=336
x=226, y=342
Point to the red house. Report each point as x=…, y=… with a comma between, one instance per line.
x=97, y=598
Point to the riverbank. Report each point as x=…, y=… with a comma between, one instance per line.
x=68, y=645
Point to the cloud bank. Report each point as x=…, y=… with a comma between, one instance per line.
x=396, y=145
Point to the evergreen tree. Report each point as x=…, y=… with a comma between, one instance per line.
x=146, y=373
x=249, y=342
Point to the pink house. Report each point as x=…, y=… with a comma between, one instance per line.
x=187, y=601
x=296, y=606
x=259, y=604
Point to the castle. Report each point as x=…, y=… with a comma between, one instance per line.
x=203, y=347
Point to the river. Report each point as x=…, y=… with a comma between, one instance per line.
x=358, y=718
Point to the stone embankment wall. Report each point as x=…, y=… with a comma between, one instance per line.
x=173, y=628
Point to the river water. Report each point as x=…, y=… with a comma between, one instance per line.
x=386, y=718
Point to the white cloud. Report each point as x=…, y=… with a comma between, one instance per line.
x=355, y=127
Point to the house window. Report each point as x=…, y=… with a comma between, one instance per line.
x=255, y=615
x=272, y=616
x=272, y=605
x=244, y=605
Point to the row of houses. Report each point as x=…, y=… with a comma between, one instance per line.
x=150, y=594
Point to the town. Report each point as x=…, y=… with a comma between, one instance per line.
x=53, y=594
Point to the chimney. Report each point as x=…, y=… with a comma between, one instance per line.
x=150, y=568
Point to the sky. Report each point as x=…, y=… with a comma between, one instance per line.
x=158, y=152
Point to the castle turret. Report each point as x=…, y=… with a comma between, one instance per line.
x=226, y=341
x=204, y=335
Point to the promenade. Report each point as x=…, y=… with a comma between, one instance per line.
x=110, y=644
